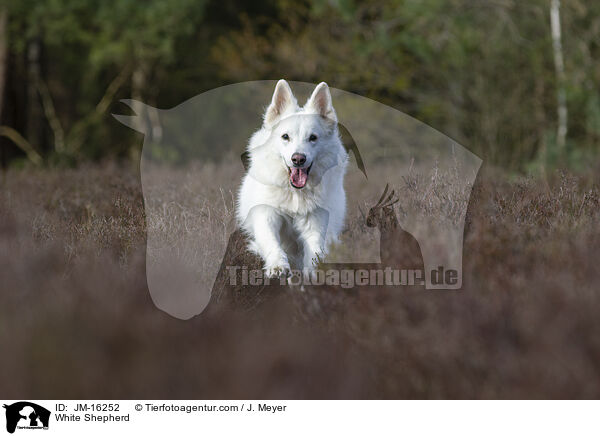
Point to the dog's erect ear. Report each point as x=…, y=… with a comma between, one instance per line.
x=320, y=102
x=282, y=102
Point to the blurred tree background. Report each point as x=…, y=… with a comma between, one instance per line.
x=482, y=71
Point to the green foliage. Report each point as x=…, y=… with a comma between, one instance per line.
x=481, y=72
x=91, y=49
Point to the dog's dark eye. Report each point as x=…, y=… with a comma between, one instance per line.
x=285, y=137
x=312, y=138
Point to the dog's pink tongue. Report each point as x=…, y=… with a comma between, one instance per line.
x=298, y=177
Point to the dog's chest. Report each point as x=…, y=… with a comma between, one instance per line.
x=299, y=203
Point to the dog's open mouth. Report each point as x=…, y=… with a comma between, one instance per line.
x=299, y=176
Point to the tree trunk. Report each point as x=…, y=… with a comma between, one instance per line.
x=3, y=55
x=138, y=84
x=561, y=134
x=34, y=112
x=3, y=70
x=148, y=121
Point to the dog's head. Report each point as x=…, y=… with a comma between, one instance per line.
x=305, y=137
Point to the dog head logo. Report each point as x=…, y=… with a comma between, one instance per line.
x=191, y=203
x=26, y=415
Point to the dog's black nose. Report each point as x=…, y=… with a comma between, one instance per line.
x=298, y=159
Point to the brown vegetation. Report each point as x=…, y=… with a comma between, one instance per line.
x=77, y=321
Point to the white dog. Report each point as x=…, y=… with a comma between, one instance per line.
x=292, y=202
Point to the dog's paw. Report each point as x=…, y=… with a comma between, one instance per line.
x=277, y=270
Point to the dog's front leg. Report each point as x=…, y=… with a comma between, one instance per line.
x=264, y=224
x=312, y=229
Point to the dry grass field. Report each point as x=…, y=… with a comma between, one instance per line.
x=77, y=321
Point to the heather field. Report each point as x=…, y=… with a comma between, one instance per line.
x=77, y=320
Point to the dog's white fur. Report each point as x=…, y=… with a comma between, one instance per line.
x=289, y=227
